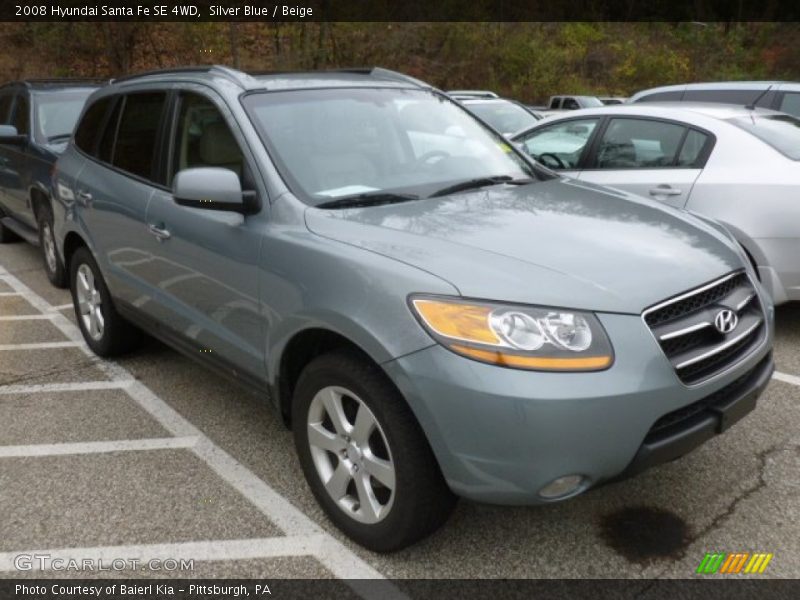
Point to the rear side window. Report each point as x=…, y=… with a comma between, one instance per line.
x=135, y=148
x=692, y=149
x=89, y=127
x=743, y=97
x=22, y=115
x=105, y=147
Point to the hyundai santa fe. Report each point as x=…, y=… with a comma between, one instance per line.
x=433, y=314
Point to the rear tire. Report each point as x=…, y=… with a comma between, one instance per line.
x=53, y=266
x=104, y=330
x=387, y=491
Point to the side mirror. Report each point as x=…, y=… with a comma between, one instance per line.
x=9, y=135
x=211, y=188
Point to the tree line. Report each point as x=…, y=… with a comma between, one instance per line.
x=527, y=61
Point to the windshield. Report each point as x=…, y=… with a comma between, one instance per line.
x=333, y=143
x=782, y=132
x=590, y=102
x=506, y=117
x=57, y=113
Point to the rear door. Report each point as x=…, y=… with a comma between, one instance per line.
x=205, y=261
x=650, y=157
x=114, y=188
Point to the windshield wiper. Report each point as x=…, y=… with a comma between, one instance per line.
x=479, y=182
x=60, y=136
x=367, y=199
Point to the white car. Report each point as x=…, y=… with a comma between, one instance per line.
x=737, y=165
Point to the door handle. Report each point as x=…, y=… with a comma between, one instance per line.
x=665, y=190
x=160, y=233
x=84, y=196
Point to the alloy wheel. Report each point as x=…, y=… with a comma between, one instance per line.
x=351, y=454
x=90, y=303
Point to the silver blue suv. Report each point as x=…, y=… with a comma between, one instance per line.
x=431, y=313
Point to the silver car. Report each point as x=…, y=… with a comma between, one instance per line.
x=432, y=313
x=736, y=165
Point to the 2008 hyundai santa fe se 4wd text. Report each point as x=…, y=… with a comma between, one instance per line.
x=433, y=314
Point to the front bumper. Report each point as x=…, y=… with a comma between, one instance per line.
x=501, y=435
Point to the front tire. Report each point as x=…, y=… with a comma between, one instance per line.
x=53, y=265
x=365, y=456
x=103, y=329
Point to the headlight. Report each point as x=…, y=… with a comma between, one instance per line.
x=523, y=337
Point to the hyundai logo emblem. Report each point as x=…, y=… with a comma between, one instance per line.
x=726, y=321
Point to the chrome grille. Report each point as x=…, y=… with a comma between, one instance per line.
x=684, y=327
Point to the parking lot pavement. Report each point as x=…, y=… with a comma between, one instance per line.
x=154, y=456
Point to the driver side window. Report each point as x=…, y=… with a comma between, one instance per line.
x=560, y=146
x=203, y=138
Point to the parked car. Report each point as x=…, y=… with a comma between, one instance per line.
x=429, y=310
x=36, y=121
x=612, y=100
x=506, y=116
x=572, y=102
x=736, y=165
x=783, y=96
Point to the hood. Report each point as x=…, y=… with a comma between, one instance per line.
x=558, y=243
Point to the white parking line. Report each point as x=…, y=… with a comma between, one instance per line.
x=5, y=294
x=786, y=378
x=26, y=317
x=46, y=388
x=248, y=549
x=41, y=345
x=331, y=553
x=61, y=307
x=169, y=443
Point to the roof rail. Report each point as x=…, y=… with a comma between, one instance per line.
x=378, y=72
x=230, y=74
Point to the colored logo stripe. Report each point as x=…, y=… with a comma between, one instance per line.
x=721, y=562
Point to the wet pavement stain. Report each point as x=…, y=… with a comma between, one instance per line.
x=642, y=534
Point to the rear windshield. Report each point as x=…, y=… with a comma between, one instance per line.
x=505, y=117
x=782, y=132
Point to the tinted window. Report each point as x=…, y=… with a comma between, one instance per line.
x=790, y=103
x=57, y=113
x=692, y=149
x=105, y=148
x=559, y=146
x=89, y=128
x=743, y=97
x=782, y=132
x=661, y=97
x=555, y=103
x=203, y=138
x=5, y=109
x=570, y=104
x=135, y=148
x=638, y=144
x=22, y=115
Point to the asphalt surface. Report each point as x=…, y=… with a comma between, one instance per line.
x=153, y=456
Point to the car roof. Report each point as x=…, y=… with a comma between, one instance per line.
x=716, y=85
x=695, y=113
x=57, y=84
x=279, y=80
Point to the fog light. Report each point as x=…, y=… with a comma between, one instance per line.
x=561, y=487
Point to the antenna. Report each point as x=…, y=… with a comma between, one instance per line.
x=752, y=105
